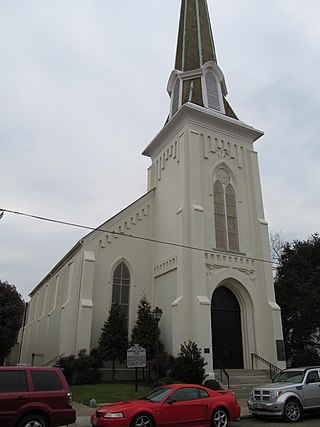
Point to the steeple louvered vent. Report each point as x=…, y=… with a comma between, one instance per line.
x=212, y=91
x=175, y=97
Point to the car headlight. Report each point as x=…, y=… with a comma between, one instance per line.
x=113, y=415
x=274, y=394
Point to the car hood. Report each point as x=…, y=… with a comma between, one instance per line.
x=274, y=386
x=121, y=406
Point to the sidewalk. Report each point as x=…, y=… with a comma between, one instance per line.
x=245, y=413
x=84, y=412
x=83, y=415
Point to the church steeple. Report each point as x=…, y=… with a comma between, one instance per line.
x=197, y=78
x=195, y=44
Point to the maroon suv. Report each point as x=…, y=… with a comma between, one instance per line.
x=34, y=397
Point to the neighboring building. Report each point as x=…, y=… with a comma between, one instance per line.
x=213, y=278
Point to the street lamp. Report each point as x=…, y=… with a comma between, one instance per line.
x=157, y=313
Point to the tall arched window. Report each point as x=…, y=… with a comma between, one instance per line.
x=121, y=288
x=225, y=212
x=212, y=91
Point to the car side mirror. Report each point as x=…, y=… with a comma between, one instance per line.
x=171, y=401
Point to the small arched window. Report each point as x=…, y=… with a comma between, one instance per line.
x=121, y=288
x=225, y=212
x=212, y=91
x=175, y=97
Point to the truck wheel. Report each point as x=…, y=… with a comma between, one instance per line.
x=33, y=420
x=292, y=412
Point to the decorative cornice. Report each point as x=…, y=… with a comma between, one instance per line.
x=125, y=226
x=208, y=118
x=218, y=261
x=165, y=266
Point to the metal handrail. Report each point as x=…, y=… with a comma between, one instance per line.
x=52, y=361
x=226, y=375
x=261, y=359
x=222, y=370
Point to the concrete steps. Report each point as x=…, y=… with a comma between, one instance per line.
x=243, y=380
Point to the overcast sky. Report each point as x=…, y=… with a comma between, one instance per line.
x=83, y=92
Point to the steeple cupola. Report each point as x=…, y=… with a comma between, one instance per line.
x=197, y=78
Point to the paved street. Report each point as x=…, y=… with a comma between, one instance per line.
x=248, y=422
x=251, y=422
x=84, y=412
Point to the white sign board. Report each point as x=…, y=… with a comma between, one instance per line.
x=136, y=357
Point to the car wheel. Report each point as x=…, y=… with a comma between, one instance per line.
x=33, y=420
x=292, y=412
x=220, y=418
x=143, y=420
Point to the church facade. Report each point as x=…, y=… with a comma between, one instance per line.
x=196, y=243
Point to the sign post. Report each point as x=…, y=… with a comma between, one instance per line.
x=136, y=358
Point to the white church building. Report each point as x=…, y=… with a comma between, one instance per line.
x=196, y=243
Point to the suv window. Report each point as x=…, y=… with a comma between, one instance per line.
x=289, y=376
x=45, y=380
x=13, y=381
x=313, y=377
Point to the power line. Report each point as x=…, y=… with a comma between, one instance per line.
x=132, y=236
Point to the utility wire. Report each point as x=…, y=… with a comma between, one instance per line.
x=132, y=236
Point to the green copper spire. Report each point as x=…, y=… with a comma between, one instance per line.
x=195, y=42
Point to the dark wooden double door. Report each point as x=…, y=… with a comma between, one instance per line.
x=226, y=330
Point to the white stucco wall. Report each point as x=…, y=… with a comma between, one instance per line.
x=177, y=266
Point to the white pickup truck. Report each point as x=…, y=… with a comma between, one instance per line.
x=292, y=392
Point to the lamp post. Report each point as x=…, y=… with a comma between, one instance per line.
x=157, y=313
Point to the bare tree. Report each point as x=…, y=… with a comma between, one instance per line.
x=276, y=246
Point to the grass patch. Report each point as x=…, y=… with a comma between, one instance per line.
x=107, y=392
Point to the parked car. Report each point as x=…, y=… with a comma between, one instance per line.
x=34, y=397
x=292, y=392
x=174, y=404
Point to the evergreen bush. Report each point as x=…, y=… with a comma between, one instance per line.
x=83, y=369
x=189, y=364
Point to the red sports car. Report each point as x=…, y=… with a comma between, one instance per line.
x=172, y=405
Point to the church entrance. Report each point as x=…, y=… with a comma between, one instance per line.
x=226, y=330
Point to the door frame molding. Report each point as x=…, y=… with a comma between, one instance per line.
x=242, y=287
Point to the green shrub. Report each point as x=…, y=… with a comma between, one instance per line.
x=213, y=384
x=165, y=381
x=166, y=364
x=189, y=364
x=83, y=369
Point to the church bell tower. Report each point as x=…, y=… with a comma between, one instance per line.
x=214, y=282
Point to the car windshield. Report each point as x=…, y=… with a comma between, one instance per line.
x=158, y=394
x=289, y=377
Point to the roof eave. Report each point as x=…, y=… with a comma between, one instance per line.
x=211, y=119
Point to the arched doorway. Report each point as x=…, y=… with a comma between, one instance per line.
x=226, y=329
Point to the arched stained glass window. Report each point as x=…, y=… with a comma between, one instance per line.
x=220, y=216
x=121, y=288
x=225, y=212
x=232, y=222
